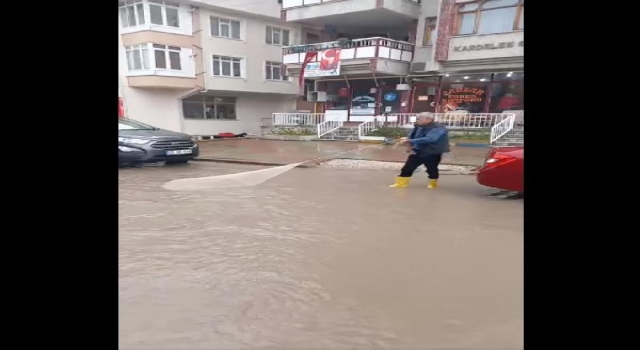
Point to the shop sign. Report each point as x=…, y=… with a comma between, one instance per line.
x=457, y=96
x=390, y=96
x=490, y=46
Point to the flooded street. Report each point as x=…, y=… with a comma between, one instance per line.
x=318, y=259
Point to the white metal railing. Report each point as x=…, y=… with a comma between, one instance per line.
x=450, y=120
x=354, y=49
x=502, y=128
x=328, y=126
x=288, y=4
x=297, y=118
x=481, y=121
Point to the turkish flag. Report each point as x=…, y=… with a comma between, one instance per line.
x=308, y=56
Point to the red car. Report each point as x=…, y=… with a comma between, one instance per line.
x=503, y=168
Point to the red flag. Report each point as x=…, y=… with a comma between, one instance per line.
x=308, y=56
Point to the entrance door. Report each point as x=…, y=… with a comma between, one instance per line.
x=424, y=98
x=390, y=100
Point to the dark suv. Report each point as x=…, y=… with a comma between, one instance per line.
x=142, y=143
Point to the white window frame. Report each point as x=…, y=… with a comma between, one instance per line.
x=142, y=51
x=167, y=49
x=144, y=19
x=135, y=6
x=281, y=32
x=224, y=58
x=270, y=66
x=186, y=62
x=164, y=5
x=225, y=21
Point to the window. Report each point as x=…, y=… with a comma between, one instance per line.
x=167, y=57
x=277, y=36
x=131, y=13
x=464, y=93
x=507, y=92
x=138, y=57
x=429, y=31
x=225, y=66
x=164, y=13
x=209, y=107
x=164, y=57
x=225, y=28
x=275, y=71
x=490, y=17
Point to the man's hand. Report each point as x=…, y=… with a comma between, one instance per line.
x=403, y=140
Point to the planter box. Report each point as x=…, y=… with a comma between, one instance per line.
x=469, y=143
x=372, y=139
x=290, y=137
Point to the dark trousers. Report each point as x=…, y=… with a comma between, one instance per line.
x=414, y=161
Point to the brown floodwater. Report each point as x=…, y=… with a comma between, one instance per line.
x=318, y=259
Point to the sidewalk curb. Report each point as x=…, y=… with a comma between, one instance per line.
x=247, y=162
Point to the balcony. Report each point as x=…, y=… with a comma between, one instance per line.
x=359, y=56
x=354, y=12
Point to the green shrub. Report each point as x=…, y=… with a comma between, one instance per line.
x=470, y=135
x=295, y=131
x=391, y=133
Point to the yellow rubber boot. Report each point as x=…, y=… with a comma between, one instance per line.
x=433, y=183
x=401, y=182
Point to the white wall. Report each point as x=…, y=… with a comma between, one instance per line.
x=157, y=107
x=261, y=7
x=252, y=47
x=250, y=109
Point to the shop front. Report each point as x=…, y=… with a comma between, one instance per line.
x=472, y=93
x=359, y=100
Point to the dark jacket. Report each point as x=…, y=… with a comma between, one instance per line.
x=430, y=139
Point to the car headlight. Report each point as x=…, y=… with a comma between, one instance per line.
x=133, y=141
x=126, y=149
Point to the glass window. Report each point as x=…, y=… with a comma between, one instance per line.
x=507, y=96
x=209, y=107
x=225, y=66
x=156, y=14
x=463, y=96
x=225, y=28
x=277, y=36
x=274, y=71
x=174, y=60
x=429, y=31
x=490, y=17
x=172, y=17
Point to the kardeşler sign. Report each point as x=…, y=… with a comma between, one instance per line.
x=490, y=46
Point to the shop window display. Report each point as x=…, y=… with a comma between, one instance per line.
x=464, y=93
x=507, y=92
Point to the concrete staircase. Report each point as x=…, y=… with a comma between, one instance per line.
x=344, y=133
x=515, y=137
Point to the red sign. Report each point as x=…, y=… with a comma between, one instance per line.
x=120, y=108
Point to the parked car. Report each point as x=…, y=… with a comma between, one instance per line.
x=142, y=143
x=503, y=169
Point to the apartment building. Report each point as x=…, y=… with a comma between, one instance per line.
x=407, y=56
x=201, y=68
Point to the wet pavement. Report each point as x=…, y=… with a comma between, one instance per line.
x=318, y=258
x=287, y=152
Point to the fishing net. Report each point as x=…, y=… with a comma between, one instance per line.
x=243, y=179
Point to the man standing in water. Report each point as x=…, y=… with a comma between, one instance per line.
x=428, y=141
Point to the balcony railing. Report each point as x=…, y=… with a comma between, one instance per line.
x=287, y=4
x=376, y=47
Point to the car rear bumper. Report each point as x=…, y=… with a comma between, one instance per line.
x=145, y=154
x=494, y=177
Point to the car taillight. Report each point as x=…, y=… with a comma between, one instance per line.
x=497, y=159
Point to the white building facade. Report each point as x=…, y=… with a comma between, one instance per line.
x=204, y=69
x=409, y=56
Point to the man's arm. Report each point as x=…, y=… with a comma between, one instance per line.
x=431, y=137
